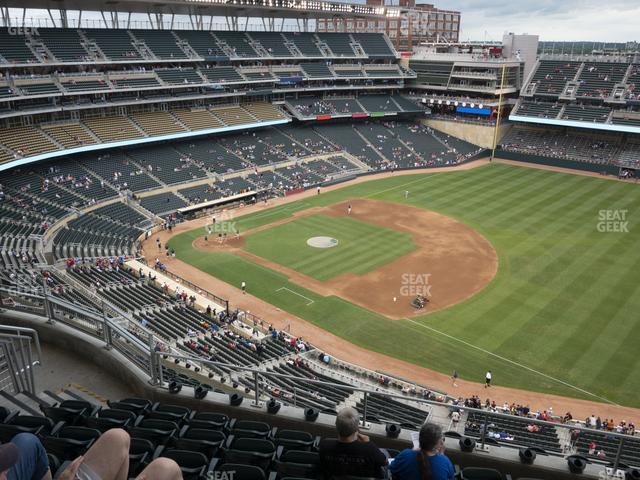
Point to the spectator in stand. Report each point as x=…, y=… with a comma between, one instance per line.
x=426, y=463
x=351, y=453
x=107, y=459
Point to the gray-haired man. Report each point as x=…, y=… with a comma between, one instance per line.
x=351, y=453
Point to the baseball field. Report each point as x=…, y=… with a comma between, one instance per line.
x=533, y=274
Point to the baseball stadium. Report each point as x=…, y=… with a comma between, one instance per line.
x=291, y=239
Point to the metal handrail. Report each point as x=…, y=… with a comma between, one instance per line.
x=142, y=352
x=15, y=344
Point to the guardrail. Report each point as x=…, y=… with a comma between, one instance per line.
x=140, y=347
x=17, y=358
x=205, y=293
x=427, y=405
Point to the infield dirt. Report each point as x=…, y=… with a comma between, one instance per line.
x=451, y=263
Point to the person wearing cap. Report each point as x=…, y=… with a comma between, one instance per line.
x=107, y=459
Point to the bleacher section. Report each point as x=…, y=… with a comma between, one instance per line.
x=96, y=234
x=344, y=136
x=202, y=43
x=338, y=43
x=179, y=76
x=197, y=119
x=38, y=88
x=166, y=164
x=64, y=44
x=238, y=44
x=109, y=129
x=161, y=43
x=374, y=45
x=316, y=70
x=272, y=43
x=115, y=45
x=163, y=202
x=87, y=44
x=13, y=49
x=306, y=43
x=157, y=123
x=80, y=85
x=513, y=432
x=552, y=76
x=583, y=147
x=539, y=109
x=27, y=141
x=598, y=79
x=586, y=113
x=222, y=74
x=307, y=107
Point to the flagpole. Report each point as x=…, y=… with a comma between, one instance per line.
x=499, y=117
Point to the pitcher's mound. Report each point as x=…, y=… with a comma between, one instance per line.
x=322, y=242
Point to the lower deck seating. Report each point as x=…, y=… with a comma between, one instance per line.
x=163, y=202
x=560, y=144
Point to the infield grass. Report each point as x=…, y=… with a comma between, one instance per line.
x=561, y=315
x=362, y=247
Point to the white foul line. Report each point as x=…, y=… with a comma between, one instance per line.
x=296, y=293
x=513, y=362
x=421, y=179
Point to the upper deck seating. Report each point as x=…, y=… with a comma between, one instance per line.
x=374, y=45
x=238, y=43
x=65, y=44
x=115, y=44
x=13, y=48
x=202, y=43
x=162, y=43
x=338, y=43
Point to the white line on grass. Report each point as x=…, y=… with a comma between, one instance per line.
x=520, y=365
x=296, y=293
x=405, y=184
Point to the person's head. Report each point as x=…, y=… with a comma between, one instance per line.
x=430, y=437
x=347, y=422
x=430, y=440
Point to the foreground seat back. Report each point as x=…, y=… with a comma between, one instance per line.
x=250, y=429
x=474, y=473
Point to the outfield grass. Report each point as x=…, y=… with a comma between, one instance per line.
x=362, y=247
x=562, y=309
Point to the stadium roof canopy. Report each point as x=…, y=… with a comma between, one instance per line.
x=218, y=8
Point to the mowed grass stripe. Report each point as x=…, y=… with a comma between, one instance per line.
x=558, y=277
x=362, y=246
x=359, y=238
x=520, y=292
x=353, y=236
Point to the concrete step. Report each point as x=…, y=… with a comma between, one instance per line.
x=21, y=403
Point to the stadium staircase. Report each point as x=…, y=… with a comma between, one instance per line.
x=373, y=148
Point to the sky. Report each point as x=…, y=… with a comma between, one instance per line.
x=559, y=20
x=568, y=20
